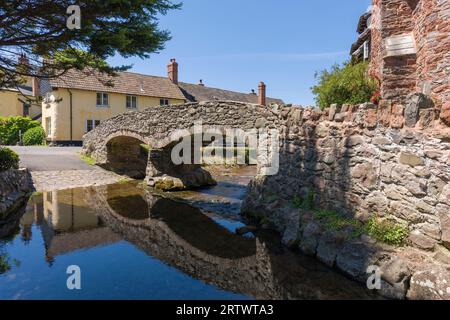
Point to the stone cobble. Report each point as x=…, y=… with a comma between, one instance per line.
x=68, y=179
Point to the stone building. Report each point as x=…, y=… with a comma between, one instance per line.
x=409, y=42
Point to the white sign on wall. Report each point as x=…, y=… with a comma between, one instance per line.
x=400, y=45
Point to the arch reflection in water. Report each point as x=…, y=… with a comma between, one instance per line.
x=183, y=237
x=131, y=243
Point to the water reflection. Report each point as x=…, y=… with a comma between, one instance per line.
x=176, y=234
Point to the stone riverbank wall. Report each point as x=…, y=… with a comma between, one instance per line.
x=15, y=188
x=391, y=161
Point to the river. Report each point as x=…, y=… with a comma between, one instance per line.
x=132, y=243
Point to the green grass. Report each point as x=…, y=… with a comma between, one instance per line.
x=145, y=147
x=309, y=202
x=383, y=230
x=334, y=221
x=124, y=180
x=90, y=161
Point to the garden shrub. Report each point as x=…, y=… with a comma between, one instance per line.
x=344, y=84
x=8, y=159
x=10, y=127
x=34, y=137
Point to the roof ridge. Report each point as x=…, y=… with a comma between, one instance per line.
x=206, y=87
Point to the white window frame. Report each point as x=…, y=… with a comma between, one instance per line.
x=131, y=97
x=102, y=100
x=95, y=124
x=162, y=102
x=48, y=126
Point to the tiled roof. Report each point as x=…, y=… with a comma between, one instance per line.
x=124, y=82
x=195, y=92
x=144, y=85
x=363, y=22
x=25, y=90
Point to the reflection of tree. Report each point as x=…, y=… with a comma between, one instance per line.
x=6, y=261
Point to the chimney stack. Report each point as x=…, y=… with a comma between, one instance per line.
x=23, y=60
x=172, y=71
x=201, y=83
x=35, y=85
x=262, y=93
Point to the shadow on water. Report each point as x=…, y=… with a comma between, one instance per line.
x=179, y=236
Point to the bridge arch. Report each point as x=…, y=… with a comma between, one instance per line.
x=114, y=144
x=127, y=154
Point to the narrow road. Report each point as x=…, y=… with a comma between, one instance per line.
x=59, y=168
x=51, y=158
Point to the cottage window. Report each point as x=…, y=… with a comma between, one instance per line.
x=48, y=126
x=131, y=102
x=102, y=99
x=91, y=124
x=164, y=102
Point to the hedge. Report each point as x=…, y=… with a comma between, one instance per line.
x=347, y=84
x=10, y=127
x=34, y=137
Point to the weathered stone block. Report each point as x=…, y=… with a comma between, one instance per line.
x=334, y=108
x=411, y=159
x=442, y=255
x=353, y=260
x=421, y=241
x=426, y=118
x=310, y=238
x=329, y=246
x=340, y=117
x=444, y=216
x=432, y=284
x=395, y=270
x=416, y=102
x=371, y=118
x=445, y=113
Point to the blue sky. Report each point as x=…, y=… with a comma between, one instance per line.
x=234, y=44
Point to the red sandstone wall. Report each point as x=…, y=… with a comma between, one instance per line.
x=376, y=60
x=429, y=70
x=397, y=74
x=432, y=34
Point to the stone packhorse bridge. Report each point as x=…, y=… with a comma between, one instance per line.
x=117, y=143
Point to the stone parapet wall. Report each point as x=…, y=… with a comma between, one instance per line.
x=362, y=161
x=15, y=187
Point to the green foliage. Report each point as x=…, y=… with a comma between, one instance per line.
x=90, y=161
x=8, y=159
x=347, y=84
x=383, y=230
x=336, y=222
x=309, y=202
x=10, y=127
x=34, y=137
x=108, y=27
x=387, y=231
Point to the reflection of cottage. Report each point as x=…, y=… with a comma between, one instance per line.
x=66, y=223
x=409, y=45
